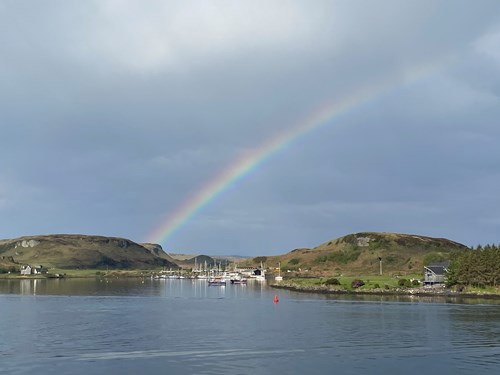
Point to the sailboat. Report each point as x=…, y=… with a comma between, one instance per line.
x=262, y=275
x=279, y=277
x=217, y=279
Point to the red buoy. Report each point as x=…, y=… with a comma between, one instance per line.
x=276, y=299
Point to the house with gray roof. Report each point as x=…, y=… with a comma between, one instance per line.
x=435, y=273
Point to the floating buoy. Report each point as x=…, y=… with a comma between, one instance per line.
x=276, y=299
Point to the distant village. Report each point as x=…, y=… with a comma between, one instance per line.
x=434, y=274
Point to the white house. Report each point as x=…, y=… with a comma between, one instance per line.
x=35, y=270
x=25, y=270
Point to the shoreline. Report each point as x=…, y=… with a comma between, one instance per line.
x=409, y=292
x=441, y=291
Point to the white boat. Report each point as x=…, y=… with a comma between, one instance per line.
x=260, y=278
x=216, y=281
x=238, y=279
x=260, y=273
x=279, y=277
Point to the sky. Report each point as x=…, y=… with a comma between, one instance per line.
x=250, y=127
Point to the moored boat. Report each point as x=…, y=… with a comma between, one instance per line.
x=279, y=277
x=216, y=281
x=238, y=279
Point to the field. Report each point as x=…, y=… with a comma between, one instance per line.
x=370, y=282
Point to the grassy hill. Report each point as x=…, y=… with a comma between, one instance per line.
x=157, y=250
x=359, y=253
x=82, y=252
x=188, y=261
x=354, y=254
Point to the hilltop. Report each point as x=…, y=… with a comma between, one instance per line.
x=71, y=251
x=189, y=261
x=353, y=254
x=359, y=253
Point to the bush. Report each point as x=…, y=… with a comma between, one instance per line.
x=344, y=257
x=294, y=261
x=415, y=282
x=376, y=286
x=332, y=281
x=357, y=283
x=433, y=257
x=10, y=269
x=321, y=259
x=260, y=260
x=405, y=283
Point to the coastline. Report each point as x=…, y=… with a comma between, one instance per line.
x=81, y=274
x=408, y=292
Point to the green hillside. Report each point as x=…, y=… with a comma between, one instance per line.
x=360, y=253
x=81, y=252
x=157, y=251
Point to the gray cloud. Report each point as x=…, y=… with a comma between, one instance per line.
x=112, y=113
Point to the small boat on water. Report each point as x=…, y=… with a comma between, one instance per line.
x=238, y=279
x=216, y=281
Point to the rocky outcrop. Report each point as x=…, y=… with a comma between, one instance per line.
x=27, y=243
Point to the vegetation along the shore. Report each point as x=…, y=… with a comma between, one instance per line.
x=360, y=262
x=479, y=267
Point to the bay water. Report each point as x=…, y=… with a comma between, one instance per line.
x=130, y=326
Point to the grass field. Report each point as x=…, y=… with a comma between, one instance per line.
x=83, y=273
x=371, y=281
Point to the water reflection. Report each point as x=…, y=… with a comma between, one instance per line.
x=200, y=289
x=413, y=299
x=167, y=288
x=83, y=326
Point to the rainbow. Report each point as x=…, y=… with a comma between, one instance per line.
x=250, y=161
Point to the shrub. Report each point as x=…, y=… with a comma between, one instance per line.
x=357, y=283
x=405, y=283
x=332, y=281
x=344, y=257
x=321, y=259
x=433, y=257
x=7, y=269
x=415, y=282
x=260, y=259
x=389, y=259
x=294, y=261
x=376, y=286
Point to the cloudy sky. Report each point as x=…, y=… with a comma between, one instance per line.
x=115, y=113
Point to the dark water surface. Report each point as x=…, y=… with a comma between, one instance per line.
x=131, y=326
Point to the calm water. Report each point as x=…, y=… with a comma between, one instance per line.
x=185, y=327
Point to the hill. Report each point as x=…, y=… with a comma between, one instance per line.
x=188, y=261
x=360, y=253
x=71, y=251
x=198, y=260
x=158, y=251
